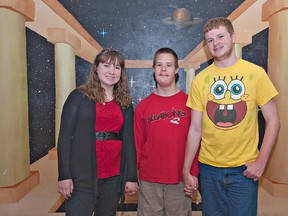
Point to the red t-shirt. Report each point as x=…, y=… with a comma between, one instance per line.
x=161, y=126
x=109, y=118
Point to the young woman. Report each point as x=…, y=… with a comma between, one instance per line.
x=96, y=150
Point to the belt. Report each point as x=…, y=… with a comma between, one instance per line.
x=107, y=136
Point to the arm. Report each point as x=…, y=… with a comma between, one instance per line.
x=68, y=121
x=139, y=134
x=192, y=145
x=131, y=185
x=131, y=159
x=256, y=168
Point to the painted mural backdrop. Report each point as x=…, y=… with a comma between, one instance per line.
x=135, y=28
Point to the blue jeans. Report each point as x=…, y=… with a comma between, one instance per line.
x=226, y=192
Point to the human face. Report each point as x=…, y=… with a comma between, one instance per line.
x=220, y=43
x=165, y=69
x=109, y=74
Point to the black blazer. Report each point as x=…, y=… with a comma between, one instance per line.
x=76, y=145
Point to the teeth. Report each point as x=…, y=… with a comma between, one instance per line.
x=229, y=107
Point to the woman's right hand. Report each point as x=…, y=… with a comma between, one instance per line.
x=65, y=188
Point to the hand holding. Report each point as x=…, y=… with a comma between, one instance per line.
x=191, y=184
x=131, y=188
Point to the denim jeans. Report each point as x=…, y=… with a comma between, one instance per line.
x=227, y=192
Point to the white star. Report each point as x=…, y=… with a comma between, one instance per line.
x=131, y=81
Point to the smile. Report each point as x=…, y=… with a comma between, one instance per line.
x=226, y=115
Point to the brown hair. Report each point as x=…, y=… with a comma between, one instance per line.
x=93, y=89
x=169, y=51
x=215, y=23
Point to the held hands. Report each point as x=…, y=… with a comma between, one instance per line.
x=191, y=184
x=65, y=188
x=131, y=188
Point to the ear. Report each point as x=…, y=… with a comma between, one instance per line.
x=177, y=70
x=233, y=36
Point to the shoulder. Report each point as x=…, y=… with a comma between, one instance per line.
x=204, y=73
x=146, y=100
x=183, y=94
x=75, y=94
x=76, y=97
x=251, y=65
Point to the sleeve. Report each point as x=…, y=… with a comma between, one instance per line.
x=139, y=133
x=194, y=100
x=130, y=143
x=65, y=139
x=265, y=89
x=195, y=168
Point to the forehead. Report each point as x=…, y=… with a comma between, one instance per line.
x=165, y=57
x=216, y=31
x=112, y=60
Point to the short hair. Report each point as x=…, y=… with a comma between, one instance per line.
x=169, y=51
x=215, y=23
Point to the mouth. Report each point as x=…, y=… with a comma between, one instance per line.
x=217, y=49
x=110, y=77
x=226, y=115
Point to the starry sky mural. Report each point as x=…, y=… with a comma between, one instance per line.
x=137, y=30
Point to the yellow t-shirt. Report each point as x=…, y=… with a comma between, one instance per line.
x=229, y=99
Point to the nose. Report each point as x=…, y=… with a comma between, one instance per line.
x=163, y=68
x=215, y=41
x=112, y=69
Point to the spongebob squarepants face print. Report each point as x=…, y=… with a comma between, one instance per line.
x=226, y=106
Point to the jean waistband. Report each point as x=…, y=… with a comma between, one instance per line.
x=107, y=136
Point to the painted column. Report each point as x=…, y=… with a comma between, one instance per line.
x=276, y=13
x=65, y=81
x=238, y=50
x=243, y=38
x=14, y=126
x=190, y=74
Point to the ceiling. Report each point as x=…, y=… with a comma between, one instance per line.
x=139, y=28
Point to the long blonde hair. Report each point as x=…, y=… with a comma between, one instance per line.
x=93, y=89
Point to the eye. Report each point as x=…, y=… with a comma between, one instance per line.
x=236, y=88
x=218, y=89
x=209, y=41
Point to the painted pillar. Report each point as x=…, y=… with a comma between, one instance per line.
x=65, y=81
x=190, y=74
x=14, y=126
x=238, y=50
x=276, y=13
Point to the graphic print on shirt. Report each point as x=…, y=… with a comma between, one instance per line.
x=173, y=115
x=226, y=105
